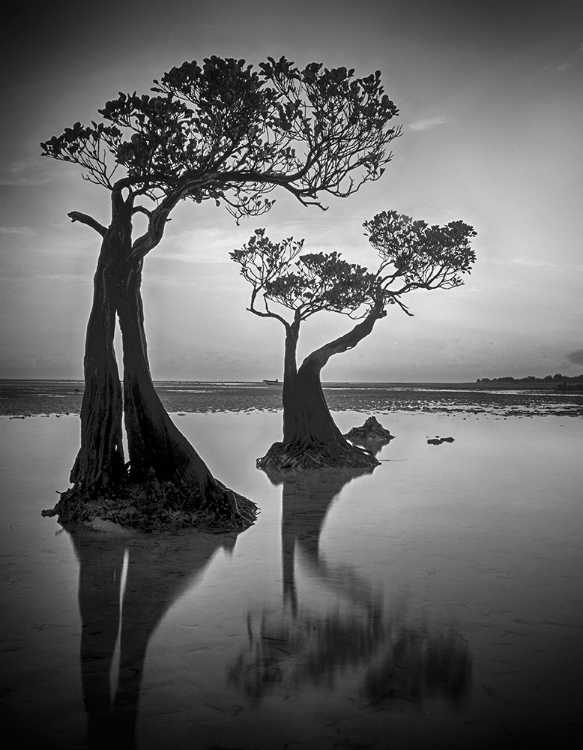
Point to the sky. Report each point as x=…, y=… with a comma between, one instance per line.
x=490, y=98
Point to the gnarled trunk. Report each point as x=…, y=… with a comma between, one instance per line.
x=311, y=437
x=166, y=481
x=291, y=397
x=158, y=451
x=155, y=444
x=100, y=461
x=306, y=417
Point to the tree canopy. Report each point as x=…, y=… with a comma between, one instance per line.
x=305, y=284
x=415, y=255
x=226, y=131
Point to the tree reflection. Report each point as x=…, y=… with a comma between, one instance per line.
x=393, y=660
x=126, y=610
x=417, y=665
x=307, y=497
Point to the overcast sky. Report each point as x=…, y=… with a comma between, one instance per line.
x=491, y=106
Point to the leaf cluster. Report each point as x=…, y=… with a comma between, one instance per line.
x=226, y=131
x=306, y=283
x=416, y=255
x=89, y=147
x=323, y=281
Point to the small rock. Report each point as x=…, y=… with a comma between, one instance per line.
x=439, y=440
x=372, y=430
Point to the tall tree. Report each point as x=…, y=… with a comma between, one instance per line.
x=413, y=256
x=218, y=131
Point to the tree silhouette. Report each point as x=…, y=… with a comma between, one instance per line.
x=306, y=285
x=219, y=131
x=413, y=256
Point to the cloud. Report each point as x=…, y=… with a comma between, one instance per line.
x=537, y=263
x=568, y=63
x=24, y=182
x=36, y=365
x=23, y=174
x=427, y=124
x=576, y=357
x=16, y=230
x=15, y=280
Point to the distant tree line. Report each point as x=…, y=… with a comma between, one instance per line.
x=557, y=378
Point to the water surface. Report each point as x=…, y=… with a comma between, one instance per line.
x=434, y=602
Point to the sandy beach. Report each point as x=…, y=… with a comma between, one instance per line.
x=433, y=602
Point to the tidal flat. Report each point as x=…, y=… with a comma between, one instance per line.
x=434, y=602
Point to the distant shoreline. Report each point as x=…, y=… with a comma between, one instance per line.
x=437, y=385
x=21, y=398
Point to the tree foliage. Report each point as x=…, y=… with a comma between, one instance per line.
x=305, y=284
x=226, y=131
x=415, y=255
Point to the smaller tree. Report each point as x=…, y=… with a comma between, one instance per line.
x=307, y=284
x=413, y=256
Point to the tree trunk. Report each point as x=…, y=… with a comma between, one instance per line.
x=306, y=418
x=321, y=424
x=318, y=424
x=167, y=482
x=100, y=461
x=156, y=447
x=292, y=402
x=311, y=437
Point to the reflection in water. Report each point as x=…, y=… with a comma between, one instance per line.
x=337, y=628
x=306, y=499
x=401, y=663
x=419, y=664
x=125, y=610
x=374, y=445
x=302, y=648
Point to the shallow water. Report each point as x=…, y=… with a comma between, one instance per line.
x=435, y=602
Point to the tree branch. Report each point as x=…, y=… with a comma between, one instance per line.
x=268, y=313
x=88, y=220
x=348, y=341
x=142, y=210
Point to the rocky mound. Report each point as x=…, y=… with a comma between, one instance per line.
x=371, y=431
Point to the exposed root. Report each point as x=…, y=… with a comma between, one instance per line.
x=316, y=456
x=157, y=506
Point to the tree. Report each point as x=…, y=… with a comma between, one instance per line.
x=308, y=284
x=224, y=132
x=413, y=256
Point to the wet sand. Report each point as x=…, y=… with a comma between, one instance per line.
x=434, y=602
x=27, y=398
